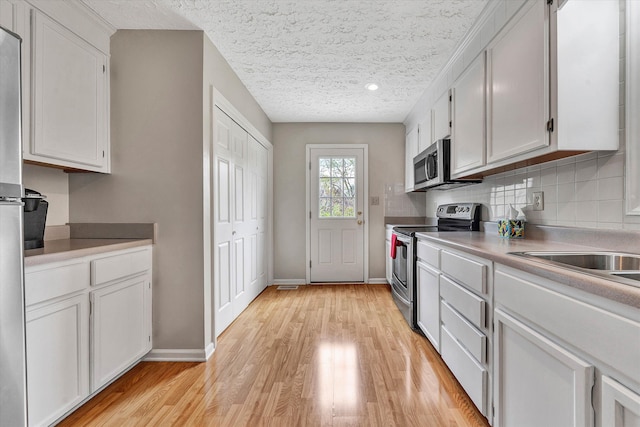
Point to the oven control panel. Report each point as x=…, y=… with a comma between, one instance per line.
x=468, y=211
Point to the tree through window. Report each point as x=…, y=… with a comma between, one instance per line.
x=337, y=187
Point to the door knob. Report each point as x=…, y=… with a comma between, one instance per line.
x=359, y=222
x=359, y=212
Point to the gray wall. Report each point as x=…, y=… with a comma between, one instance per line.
x=159, y=123
x=386, y=160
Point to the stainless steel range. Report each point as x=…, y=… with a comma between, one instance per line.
x=451, y=217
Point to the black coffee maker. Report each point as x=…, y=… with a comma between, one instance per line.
x=35, y=217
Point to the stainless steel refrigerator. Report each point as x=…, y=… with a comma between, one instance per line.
x=13, y=395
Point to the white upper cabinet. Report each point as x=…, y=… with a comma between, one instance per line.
x=411, y=150
x=442, y=117
x=468, y=117
x=632, y=109
x=518, y=103
x=587, y=69
x=552, y=85
x=70, y=99
x=425, y=134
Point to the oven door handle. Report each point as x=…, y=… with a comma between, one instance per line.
x=399, y=295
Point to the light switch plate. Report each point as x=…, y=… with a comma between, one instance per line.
x=538, y=200
x=375, y=200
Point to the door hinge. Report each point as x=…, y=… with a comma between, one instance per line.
x=149, y=338
x=90, y=308
x=103, y=154
x=450, y=122
x=550, y=125
x=104, y=68
x=450, y=98
x=309, y=263
x=549, y=1
x=309, y=214
x=309, y=165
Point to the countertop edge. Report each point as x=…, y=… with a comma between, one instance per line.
x=595, y=285
x=68, y=249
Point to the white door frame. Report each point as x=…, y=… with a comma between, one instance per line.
x=365, y=208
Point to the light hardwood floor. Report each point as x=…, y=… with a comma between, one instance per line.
x=331, y=355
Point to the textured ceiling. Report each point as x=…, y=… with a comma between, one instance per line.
x=309, y=60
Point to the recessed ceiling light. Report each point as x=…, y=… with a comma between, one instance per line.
x=372, y=86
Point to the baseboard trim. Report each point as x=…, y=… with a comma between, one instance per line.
x=289, y=282
x=208, y=352
x=378, y=281
x=177, y=355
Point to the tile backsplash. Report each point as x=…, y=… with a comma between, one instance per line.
x=581, y=191
x=397, y=203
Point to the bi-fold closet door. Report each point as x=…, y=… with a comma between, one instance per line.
x=239, y=192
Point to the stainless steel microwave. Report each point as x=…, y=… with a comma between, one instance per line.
x=432, y=168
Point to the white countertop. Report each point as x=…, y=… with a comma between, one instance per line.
x=496, y=249
x=65, y=249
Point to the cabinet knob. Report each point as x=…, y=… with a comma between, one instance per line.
x=359, y=222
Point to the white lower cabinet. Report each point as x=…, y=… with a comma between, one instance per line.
x=620, y=407
x=119, y=329
x=87, y=321
x=429, y=302
x=538, y=382
x=57, y=358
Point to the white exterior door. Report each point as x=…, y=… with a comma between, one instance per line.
x=337, y=217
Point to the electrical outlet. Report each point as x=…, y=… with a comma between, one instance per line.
x=375, y=200
x=538, y=201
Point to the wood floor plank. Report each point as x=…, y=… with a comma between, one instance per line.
x=331, y=355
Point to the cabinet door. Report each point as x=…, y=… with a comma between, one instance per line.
x=425, y=134
x=468, y=106
x=120, y=329
x=411, y=150
x=442, y=117
x=70, y=99
x=7, y=15
x=518, y=88
x=57, y=358
x=428, y=303
x=620, y=406
x=538, y=382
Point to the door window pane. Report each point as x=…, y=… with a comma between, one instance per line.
x=337, y=179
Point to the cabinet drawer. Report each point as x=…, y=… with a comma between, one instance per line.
x=471, y=338
x=466, y=303
x=469, y=373
x=116, y=267
x=45, y=284
x=429, y=254
x=470, y=273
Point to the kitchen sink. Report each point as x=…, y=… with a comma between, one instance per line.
x=632, y=276
x=618, y=266
x=602, y=261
